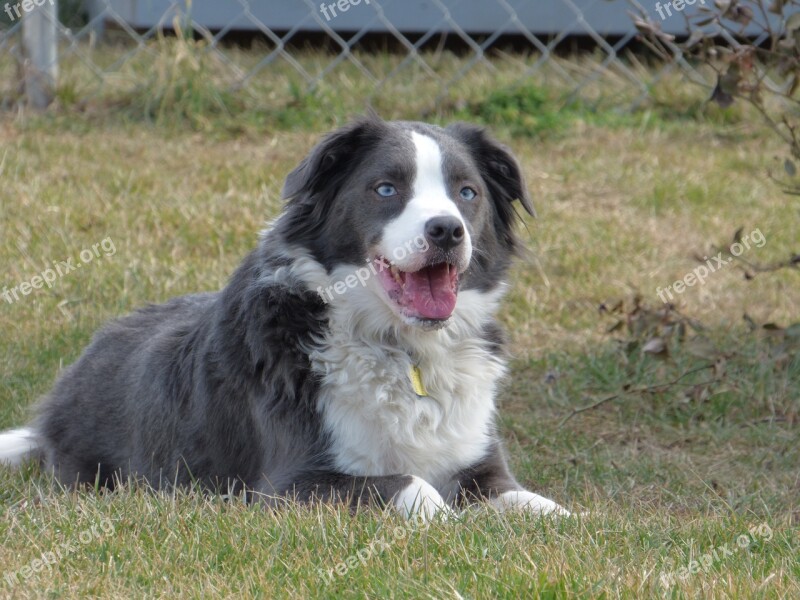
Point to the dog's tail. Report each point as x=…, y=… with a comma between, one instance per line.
x=17, y=446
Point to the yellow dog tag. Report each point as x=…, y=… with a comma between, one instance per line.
x=416, y=381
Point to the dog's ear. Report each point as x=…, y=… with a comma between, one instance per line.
x=326, y=167
x=311, y=189
x=499, y=168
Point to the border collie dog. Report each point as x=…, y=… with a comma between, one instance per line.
x=352, y=357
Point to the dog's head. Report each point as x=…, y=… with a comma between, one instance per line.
x=428, y=209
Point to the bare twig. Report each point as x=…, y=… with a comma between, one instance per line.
x=650, y=389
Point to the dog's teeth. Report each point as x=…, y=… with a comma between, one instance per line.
x=396, y=274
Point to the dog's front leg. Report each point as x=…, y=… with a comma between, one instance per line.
x=491, y=481
x=410, y=495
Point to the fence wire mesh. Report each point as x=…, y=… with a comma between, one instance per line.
x=103, y=47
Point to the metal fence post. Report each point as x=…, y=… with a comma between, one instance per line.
x=97, y=8
x=40, y=45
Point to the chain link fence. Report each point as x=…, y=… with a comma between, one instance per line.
x=82, y=49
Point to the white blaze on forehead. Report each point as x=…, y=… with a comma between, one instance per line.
x=430, y=189
x=429, y=199
x=429, y=178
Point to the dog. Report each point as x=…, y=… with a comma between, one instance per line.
x=352, y=357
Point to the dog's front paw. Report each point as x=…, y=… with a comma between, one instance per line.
x=422, y=501
x=528, y=502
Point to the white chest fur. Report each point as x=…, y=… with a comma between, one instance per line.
x=380, y=426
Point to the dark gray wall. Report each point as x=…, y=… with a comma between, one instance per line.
x=473, y=16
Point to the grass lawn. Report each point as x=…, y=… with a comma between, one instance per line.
x=685, y=463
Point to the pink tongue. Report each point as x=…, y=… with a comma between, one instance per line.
x=431, y=292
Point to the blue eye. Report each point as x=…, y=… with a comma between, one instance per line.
x=386, y=190
x=468, y=194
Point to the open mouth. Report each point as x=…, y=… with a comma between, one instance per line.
x=429, y=293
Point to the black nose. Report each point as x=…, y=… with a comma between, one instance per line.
x=444, y=232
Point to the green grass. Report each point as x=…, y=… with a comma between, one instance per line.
x=181, y=175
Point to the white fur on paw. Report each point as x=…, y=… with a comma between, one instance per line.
x=421, y=500
x=529, y=502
